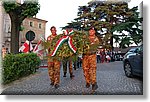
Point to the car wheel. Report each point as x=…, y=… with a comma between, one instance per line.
x=128, y=69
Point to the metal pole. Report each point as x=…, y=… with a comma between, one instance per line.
x=29, y=46
x=29, y=42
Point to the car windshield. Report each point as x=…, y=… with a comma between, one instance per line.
x=136, y=50
x=132, y=50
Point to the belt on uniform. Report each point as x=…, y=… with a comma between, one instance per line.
x=93, y=53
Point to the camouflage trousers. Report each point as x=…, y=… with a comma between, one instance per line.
x=65, y=67
x=89, y=68
x=54, y=71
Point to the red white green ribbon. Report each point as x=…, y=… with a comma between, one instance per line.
x=66, y=38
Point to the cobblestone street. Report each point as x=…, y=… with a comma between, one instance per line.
x=110, y=78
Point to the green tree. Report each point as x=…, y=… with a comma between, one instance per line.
x=18, y=12
x=103, y=15
x=74, y=24
x=133, y=26
x=125, y=42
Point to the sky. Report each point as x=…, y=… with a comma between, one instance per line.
x=60, y=12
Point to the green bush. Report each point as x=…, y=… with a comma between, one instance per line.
x=19, y=65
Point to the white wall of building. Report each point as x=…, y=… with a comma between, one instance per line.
x=1, y=39
x=1, y=24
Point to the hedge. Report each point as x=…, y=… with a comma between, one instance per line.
x=16, y=66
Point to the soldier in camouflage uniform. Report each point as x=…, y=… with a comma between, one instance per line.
x=89, y=62
x=65, y=68
x=65, y=64
x=53, y=65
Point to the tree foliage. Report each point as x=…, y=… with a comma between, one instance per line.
x=27, y=9
x=133, y=26
x=18, y=12
x=107, y=18
x=103, y=16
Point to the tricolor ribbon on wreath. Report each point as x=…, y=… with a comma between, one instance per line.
x=66, y=38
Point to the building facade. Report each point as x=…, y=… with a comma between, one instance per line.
x=36, y=25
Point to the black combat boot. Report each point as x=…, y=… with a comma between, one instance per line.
x=87, y=85
x=94, y=86
x=56, y=86
x=75, y=66
x=65, y=74
x=71, y=75
x=52, y=83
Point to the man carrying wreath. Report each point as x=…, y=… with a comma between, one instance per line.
x=89, y=60
x=53, y=64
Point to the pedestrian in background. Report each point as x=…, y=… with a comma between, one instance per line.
x=98, y=56
x=103, y=55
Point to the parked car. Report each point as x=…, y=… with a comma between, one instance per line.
x=133, y=62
